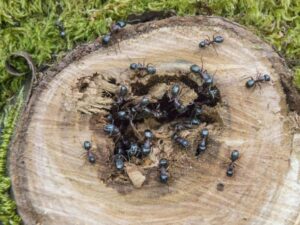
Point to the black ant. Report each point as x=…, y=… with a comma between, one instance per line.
x=111, y=129
x=233, y=157
x=156, y=113
x=90, y=155
x=123, y=115
x=123, y=91
x=175, y=91
x=115, y=28
x=134, y=150
x=206, y=42
x=180, y=140
x=143, y=69
x=146, y=147
x=119, y=157
x=211, y=93
x=163, y=175
x=202, y=145
x=61, y=28
x=206, y=77
x=259, y=79
x=194, y=118
x=182, y=126
x=141, y=105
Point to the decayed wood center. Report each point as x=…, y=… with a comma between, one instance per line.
x=54, y=184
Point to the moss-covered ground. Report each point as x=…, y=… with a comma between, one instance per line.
x=32, y=26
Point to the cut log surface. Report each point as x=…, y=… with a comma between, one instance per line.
x=53, y=183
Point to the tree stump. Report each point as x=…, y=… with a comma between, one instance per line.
x=53, y=183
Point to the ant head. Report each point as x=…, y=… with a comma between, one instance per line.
x=164, y=177
x=122, y=115
x=133, y=66
x=106, y=39
x=209, y=81
x=145, y=101
x=119, y=163
x=198, y=111
x=202, y=44
x=204, y=132
x=92, y=158
x=121, y=23
x=87, y=145
x=229, y=172
x=163, y=163
x=267, y=77
x=148, y=134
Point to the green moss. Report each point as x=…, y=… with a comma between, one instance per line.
x=7, y=205
x=30, y=26
x=297, y=77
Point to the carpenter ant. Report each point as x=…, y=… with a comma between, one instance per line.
x=175, y=91
x=196, y=113
x=180, y=141
x=259, y=79
x=163, y=165
x=182, y=126
x=206, y=77
x=156, y=113
x=123, y=115
x=233, y=157
x=212, y=95
x=146, y=147
x=143, y=69
x=134, y=150
x=141, y=105
x=90, y=155
x=123, y=91
x=206, y=42
x=110, y=118
x=142, y=108
x=119, y=157
x=115, y=28
x=61, y=28
x=111, y=129
x=202, y=145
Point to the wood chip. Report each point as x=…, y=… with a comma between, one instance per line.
x=135, y=175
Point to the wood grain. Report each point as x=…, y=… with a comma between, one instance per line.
x=53, y=184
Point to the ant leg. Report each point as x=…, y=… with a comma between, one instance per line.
x=259, y=85
x=213, y=76
x=124, y=158
x=215, y=48
x=117, y=138
x=208, y=40
x=118, y=44
x=201, y=63
x=244, y=77
x=136, y=132
x=149, y=64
